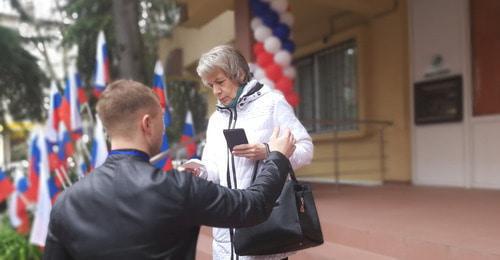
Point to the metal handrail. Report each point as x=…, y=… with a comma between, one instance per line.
x=382, y=124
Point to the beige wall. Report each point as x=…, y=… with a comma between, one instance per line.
x=383, y=81
x=384, y=92
x=195, y=41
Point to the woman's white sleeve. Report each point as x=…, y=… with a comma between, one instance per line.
x=284, y=117
x=209, y=156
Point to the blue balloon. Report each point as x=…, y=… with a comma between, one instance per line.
x=270, y=18
x=281, y=31
x=259, y=8
x=288, y=45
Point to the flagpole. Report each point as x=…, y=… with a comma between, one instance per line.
x=175, y=148
x=65, y=175
x=58, y=175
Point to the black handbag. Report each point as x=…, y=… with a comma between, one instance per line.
x=293, y=224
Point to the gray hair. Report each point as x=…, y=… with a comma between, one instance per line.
x=226, y=58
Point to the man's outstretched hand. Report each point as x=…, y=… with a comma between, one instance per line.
x=284, y=143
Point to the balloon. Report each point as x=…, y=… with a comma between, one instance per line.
x=262, y=33
x=287, y=45
x=274, y=72
x=281, y=31
x=259, y=8
x=267, y=82
x=255, y=23
x=290, y=72
x=264, y=59
x=283, y=58
x=285, y=85
x=270, y=18
x=258, y=47
x=259, y=74
x=272, y=44
x=293, y=99
x=287, y=18
x=279, y=6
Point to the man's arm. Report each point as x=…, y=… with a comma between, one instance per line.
x=214, y=205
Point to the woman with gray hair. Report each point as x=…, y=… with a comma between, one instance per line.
x=244, y=103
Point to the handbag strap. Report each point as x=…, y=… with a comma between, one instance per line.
x=291, y=172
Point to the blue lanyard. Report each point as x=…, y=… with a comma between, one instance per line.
x=137, y=153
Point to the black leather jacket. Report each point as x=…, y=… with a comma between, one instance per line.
x=126, y=209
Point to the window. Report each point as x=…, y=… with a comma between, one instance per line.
x=327, y=85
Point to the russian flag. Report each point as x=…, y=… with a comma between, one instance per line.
x=54, y=117
x=99, y=151
x=54, y=186
x=6, y=187
x=65, y=144
x=17, y=210
x=160, y=89
x=43, y=205
x=166, y=163
x=82, y=168
x=70, y=107
x=82, y=96
x=188, y=134
x=101, y=75
x=34, y=168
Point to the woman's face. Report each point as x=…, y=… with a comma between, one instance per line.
x=223, y=88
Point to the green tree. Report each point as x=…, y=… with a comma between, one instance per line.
x=132, y=30
x=21, y=79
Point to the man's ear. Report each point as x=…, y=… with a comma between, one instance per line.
x=146, y=123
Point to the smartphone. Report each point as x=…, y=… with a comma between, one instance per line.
x=235, y=137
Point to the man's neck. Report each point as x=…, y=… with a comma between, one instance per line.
x=118, y=143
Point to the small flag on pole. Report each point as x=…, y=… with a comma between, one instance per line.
x=188, y=134
x=101, y=75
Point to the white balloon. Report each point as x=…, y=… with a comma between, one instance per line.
x=279, y=6
x=255, y=23
x=283, y=58
x=267, y=82
x=262, y=33
x=287, y=18
x=290, y=72
x=259, y=73
x=272, y=44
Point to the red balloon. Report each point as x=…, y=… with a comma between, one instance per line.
x=274, y=72
x=264, y=59
x=258, y=48
x=293, y=99
x=285, y=85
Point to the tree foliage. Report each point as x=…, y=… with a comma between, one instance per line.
x=155, y=17
x=21, y=79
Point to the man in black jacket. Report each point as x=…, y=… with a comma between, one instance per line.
x=127, y=209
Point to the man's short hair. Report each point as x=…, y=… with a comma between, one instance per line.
x=121, y=104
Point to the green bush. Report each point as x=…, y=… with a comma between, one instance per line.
x=14, y=245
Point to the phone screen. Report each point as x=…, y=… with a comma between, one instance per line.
x=235, y=137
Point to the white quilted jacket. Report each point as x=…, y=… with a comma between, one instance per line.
x=257, y=113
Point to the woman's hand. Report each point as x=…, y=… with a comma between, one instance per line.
x=251, y=151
